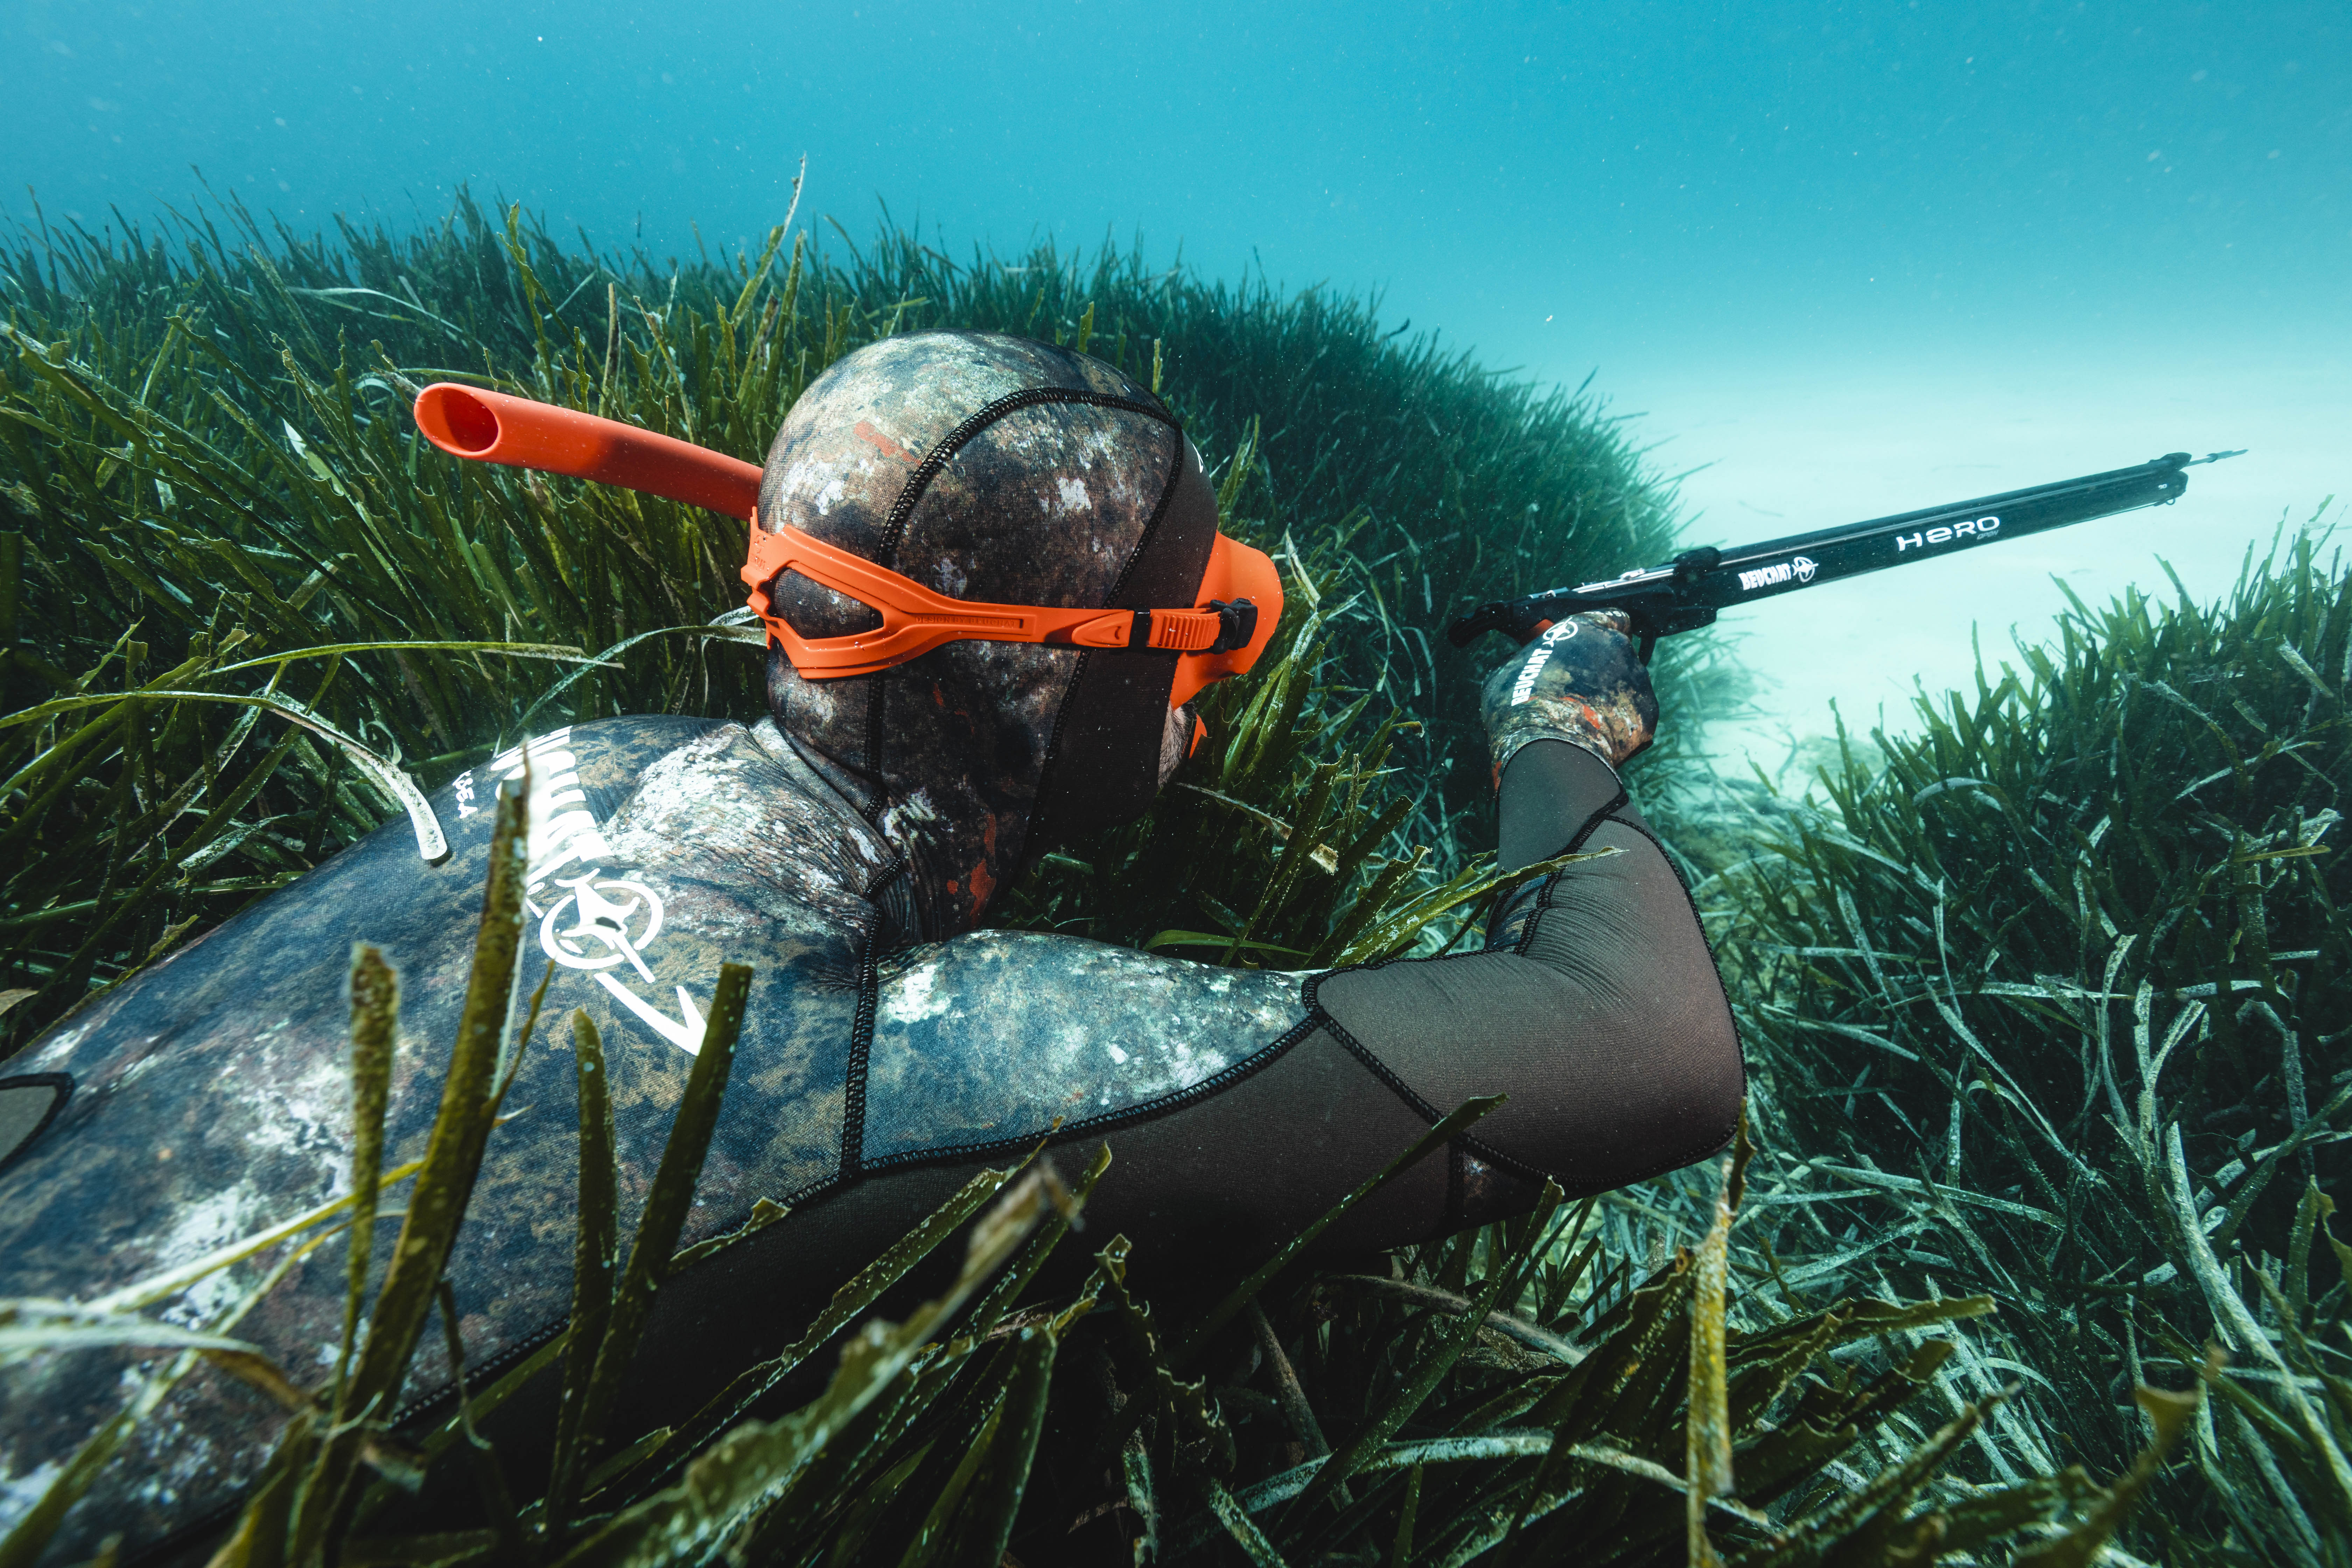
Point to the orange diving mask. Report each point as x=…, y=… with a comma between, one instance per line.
x=1237, y=607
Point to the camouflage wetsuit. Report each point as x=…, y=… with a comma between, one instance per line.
x=888, y=1048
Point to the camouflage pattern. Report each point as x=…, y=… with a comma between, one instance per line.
x=1047, y=505
x=971, y=1011
x=211, y=1096
x=1578, y=681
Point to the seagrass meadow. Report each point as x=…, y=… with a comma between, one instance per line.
x=2052, y=996
x=2023, y=1254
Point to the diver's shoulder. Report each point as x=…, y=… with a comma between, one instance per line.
x=658, y=728
x=653, y=734
x=607, y=754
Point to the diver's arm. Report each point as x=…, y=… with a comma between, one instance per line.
x=1596, y=1007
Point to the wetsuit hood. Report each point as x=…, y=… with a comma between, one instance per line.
x=996, y=468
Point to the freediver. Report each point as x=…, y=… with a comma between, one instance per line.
x=850, y=846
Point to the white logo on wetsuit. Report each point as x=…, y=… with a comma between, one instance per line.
x=613, y=919
x=562, y=828
x=605, y=910
x=1525, y=686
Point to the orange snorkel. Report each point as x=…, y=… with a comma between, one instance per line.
x=1240, y=593
x=492, y=427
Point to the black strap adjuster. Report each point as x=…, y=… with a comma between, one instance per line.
x=1236, y=624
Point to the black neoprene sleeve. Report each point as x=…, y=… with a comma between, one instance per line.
x=1596, y=1007
x=1551, y=791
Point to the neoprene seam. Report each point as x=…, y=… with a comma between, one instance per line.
x=891, y=893
x=1380, y=1070
x=861, y=1045
x=944, y=451
x=1319, y=1015
x=1151, y=526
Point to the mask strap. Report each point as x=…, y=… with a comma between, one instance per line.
x=914, y=620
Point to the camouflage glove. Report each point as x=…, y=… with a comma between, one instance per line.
x=1580, y=682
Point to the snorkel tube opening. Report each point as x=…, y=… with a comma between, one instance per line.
x=456, y=420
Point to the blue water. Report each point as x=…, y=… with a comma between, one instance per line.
x=1853, y=258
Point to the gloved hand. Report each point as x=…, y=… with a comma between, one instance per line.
x=1578, y=681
